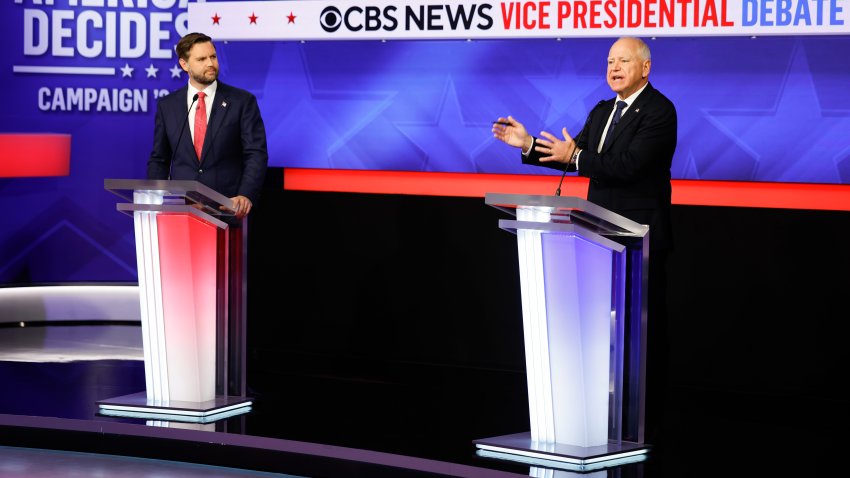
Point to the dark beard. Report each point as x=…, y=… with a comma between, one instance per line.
x=203, y=80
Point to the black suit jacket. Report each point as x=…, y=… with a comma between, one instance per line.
x=234, y=157
x=632, y=175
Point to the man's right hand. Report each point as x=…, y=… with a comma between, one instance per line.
x=512, y=132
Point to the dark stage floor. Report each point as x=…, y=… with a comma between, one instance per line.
x=408, y=420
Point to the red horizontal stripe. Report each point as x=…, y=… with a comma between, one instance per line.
x=834, y=197
x=34, y=154
x=427, y=184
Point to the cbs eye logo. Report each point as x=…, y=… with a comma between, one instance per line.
x=331, y=19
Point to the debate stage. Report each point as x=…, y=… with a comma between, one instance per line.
x=324, y=426
x=390, y=354
x=53, y=375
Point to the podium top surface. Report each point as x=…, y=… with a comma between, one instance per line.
x=126, y=187
x=175, y=192
x=570, y=209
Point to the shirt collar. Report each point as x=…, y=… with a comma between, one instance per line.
x=631, y=99
x=209, y=90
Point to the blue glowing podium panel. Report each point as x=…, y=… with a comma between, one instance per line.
x=583, y=274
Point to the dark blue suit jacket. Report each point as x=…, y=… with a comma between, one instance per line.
x=234, y=158
x=631, y=176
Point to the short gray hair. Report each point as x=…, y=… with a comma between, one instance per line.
x=642, y=48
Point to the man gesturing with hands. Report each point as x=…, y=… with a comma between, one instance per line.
x=626, y=149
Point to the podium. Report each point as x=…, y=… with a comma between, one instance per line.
x=191, y=258
x=583, y=278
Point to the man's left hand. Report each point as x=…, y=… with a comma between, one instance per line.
x=554, y=149
x=241, y=206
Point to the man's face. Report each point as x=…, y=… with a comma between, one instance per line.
x=202, y=65
x=627, y=73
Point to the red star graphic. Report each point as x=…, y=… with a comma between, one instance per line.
x=215, y=19
x=253, y=18
x=291, y=18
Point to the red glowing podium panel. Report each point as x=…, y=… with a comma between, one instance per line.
x=191, y=263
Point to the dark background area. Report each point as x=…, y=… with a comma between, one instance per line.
x=404, y=311
x=392, y=323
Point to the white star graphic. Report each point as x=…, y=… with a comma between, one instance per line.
x=126, y=71
x=175, y=71
x=151, y=71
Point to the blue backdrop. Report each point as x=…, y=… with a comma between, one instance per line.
x=750, y=109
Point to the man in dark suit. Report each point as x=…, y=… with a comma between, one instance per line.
x=213, y=133
x=210, y=132
x=629, y=173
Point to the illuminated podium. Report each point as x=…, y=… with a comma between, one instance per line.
x=191, y=258
x=583, y=274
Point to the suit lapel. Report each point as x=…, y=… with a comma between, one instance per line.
x=599, y=123
x=176, y=105
x=631, y=114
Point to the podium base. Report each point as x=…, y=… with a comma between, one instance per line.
x=137, y=405
x=519, y=447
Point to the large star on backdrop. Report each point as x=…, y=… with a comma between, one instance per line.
x=567, y=93
x=50, y=230
x=458, y=141
x=794, y=141
x=300, y=111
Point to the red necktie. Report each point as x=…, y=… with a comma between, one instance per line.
x=200, y=124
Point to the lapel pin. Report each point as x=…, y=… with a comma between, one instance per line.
x=224, y=104
x=637, y=110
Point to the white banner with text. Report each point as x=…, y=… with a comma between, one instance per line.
x=434, y=19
